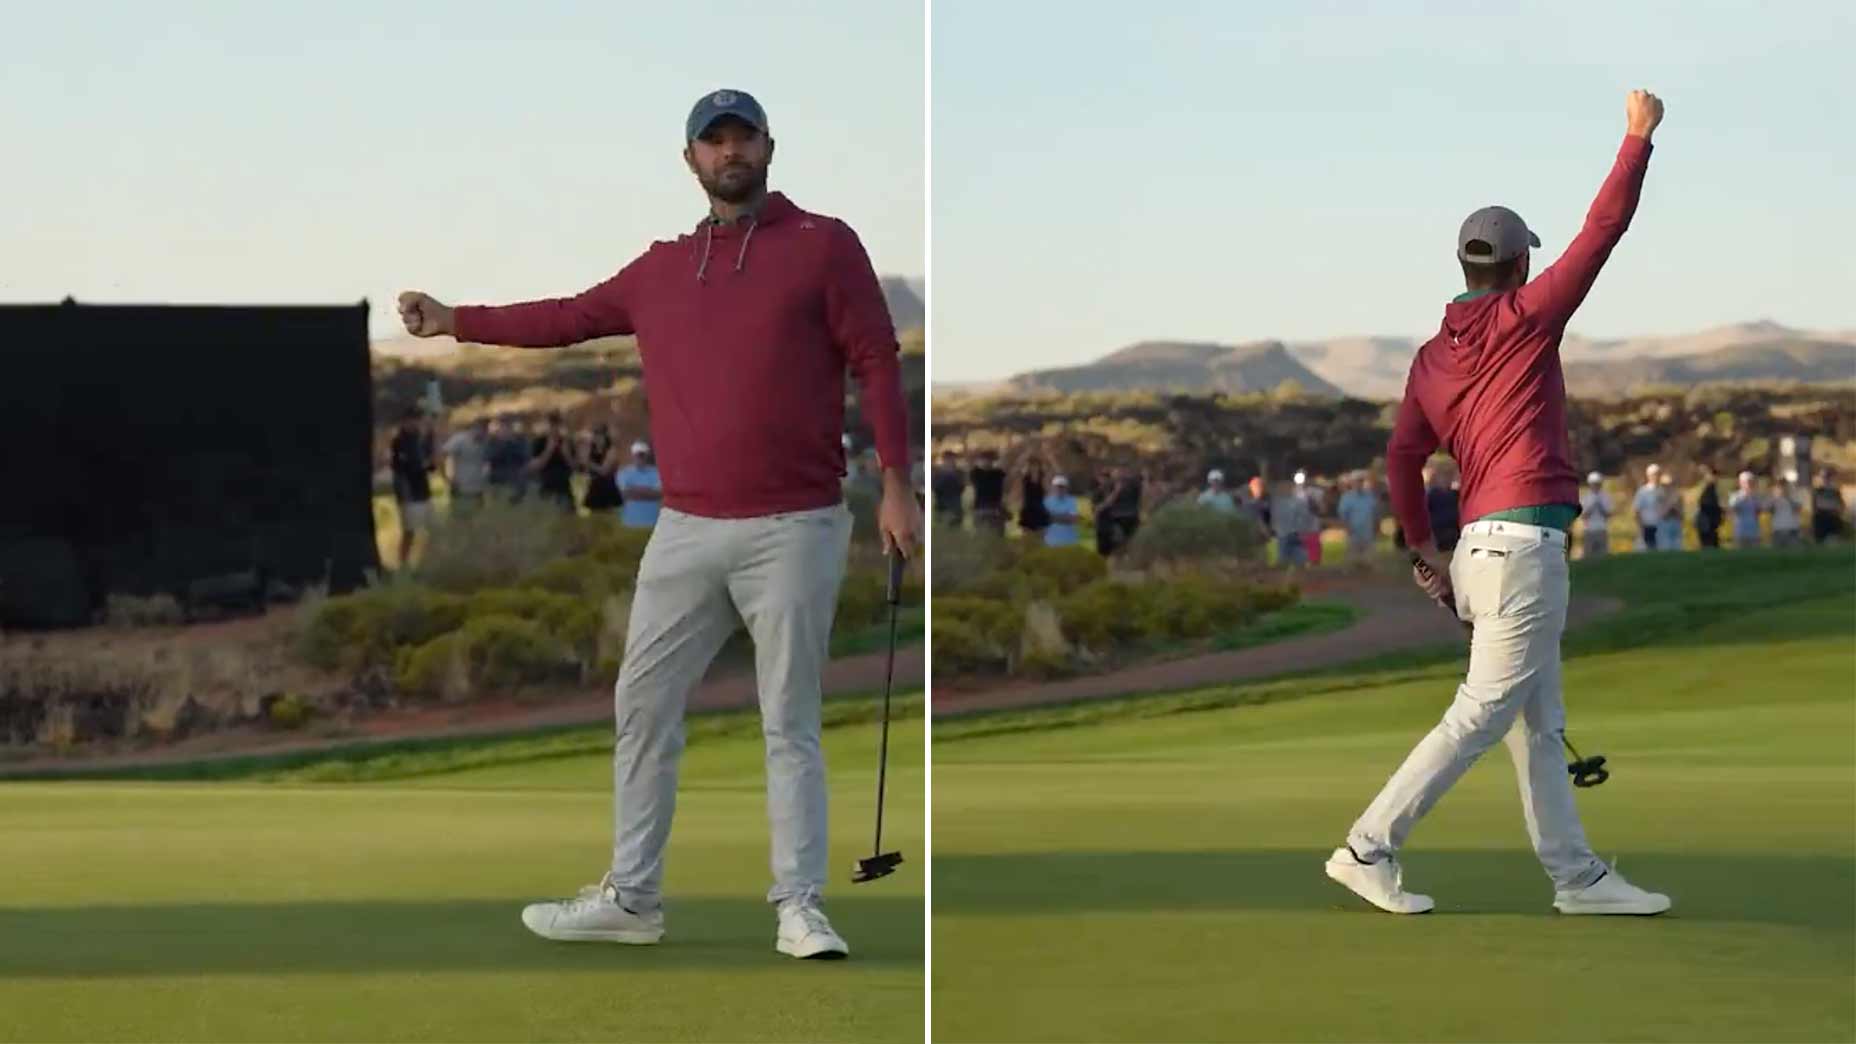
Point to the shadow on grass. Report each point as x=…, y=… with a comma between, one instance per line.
x=1804, y=891
x=387, y=936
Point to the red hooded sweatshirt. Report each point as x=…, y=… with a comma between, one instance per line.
x=1488, y=386
x=745, y=332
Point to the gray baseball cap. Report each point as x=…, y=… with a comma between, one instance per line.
x=717, y=104
x=1499, y=227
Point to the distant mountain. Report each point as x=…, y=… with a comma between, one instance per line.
x=904, y=298
x=1181, y=366
x=1788, y=358
x=1375, y=367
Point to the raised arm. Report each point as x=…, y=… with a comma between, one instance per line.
x=1552, y=297
x=555, y=322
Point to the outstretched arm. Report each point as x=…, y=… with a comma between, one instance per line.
x=1552, y=297
x=555, y=322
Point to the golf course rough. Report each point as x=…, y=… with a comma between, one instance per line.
x=1157, y=876
x=259, y=910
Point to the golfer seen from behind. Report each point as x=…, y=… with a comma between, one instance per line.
x=1488, y=388
x=746, y=326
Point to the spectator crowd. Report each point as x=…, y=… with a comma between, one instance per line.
x=1046, y=505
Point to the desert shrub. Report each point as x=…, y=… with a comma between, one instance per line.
x=1100, y=615
x=1040, y=663
x=581, y=577
x=1182, y=530
x=975, y=633
x=160, y=610
x=960, y=647
x=1192, y=607
x=573, y=621
x=289, y=712
x=1057, y=571
x=610, y=544
x=964, y=557
x=863, y=599
x=364, y=629
x=1268, y=598
x=488, y=653
x=498, y=543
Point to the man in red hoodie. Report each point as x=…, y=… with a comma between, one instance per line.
x=745, y=326
x=1488, y=388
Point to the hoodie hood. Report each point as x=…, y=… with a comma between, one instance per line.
x=1467, y=326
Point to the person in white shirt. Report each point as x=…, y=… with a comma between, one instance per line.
x=1359, y=510
x=1215, y=495
x=642, y=489
x=1649, y=506
x=1062, y=531
x=1596, y=508
x=1787, y=517
x=1746, y=505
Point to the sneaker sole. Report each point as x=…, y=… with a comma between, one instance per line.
x=817, y=955
x=1377, y=905
x=1613, y=910
x=625, y=938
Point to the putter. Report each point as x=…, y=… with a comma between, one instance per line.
x=1585, y=772
x=881, y=863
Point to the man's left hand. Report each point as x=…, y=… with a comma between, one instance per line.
x=900, y=517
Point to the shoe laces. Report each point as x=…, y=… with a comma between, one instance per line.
x=593, y=896
x=811, y=917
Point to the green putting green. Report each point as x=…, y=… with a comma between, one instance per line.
x=1151, y=869
x=269, y=910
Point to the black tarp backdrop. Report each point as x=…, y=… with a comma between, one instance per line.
x=145, y=448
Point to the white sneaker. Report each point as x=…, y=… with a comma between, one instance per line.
x=594, y=916
x=1611, y=894
x=805, y=933
x=1380, y=882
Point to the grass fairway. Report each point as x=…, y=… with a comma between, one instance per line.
x=1151, y=869
x=273, y=909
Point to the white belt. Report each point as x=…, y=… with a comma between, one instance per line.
x=1518, y=529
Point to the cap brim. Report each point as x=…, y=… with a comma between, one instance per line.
x=716, y=117
x=1532, y=239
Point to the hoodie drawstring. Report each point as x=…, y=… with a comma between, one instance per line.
x=741, y=259
x=708, y=239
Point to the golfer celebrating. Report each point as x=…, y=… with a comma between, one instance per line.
x=1488, y=387
x=745, y=326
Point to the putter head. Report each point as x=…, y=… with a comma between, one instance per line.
x=881, y=865
x=1588, y=772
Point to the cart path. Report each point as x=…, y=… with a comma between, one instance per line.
x=1393, y=617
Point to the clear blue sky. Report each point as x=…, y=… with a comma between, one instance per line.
x=1235, y=171
x=482, y=151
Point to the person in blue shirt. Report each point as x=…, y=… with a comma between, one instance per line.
x=641, y=488
x=1215, y=495
x=1062, y=506
x=1359, y=509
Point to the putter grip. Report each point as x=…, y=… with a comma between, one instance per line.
x=896, y=562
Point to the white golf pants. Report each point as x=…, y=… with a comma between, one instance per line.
x=1511, y=584
x=780, y=575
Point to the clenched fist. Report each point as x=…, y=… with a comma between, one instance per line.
x=425, y=315
x=1642, y=112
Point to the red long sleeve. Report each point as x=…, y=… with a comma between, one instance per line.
x=556, y=322
x=861, y=327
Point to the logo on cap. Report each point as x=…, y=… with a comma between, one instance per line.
x=723, y=98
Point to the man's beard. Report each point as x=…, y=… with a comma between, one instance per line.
x=737, y=189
